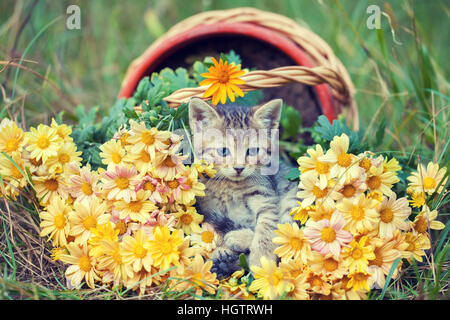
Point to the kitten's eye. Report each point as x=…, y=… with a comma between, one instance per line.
x=252, y=151
x=223, y=152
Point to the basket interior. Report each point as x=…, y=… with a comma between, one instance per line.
x=254, y=54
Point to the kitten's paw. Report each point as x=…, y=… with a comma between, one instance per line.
x=225, y=262
x=239, y=240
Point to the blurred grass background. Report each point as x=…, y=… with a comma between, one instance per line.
x=400, y=71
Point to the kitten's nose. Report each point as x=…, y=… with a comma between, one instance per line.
x=239, y=169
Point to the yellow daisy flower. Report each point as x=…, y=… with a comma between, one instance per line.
x=427, y=218
x=358, y=254
x=135, y=254
x=319, y=283
x=43, y=142
x=104, y=231
x=385, y=255
x=87, y=215
x=151, y=140
x=333, y=267
x=164, y=248
x=417, y=244
x=66, y=154
x=378, y=180
x=137, y=210
x=358, y=281
x=300, y=288
x=207, y=238
x=418, y=199
x=55, y=222
x=317, y=190
x=188, y=220
x=361, y=214
x=62, y=130
x=312, y=165
x=111, y=260
x=393, y=215
x=391, y=165
x=427, y=180
x=48, y=187
x=112, y=153
x=270, y=282
x=344, y=164
x=82, y=265
x=120, y=183
x=203, y=167
x=222, y=79
x=11, y=137
x=12, y=172
x=291, y=243
x=198, y=275
x=301, y=213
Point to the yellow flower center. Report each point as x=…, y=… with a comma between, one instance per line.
x=64, y=158
x=116, y=256
x=89, y=222
x=359, y=277
x=222, y=76
x=43, y=142
x=207, y=236
x=374, y=182
x=116, y=157
x=51, y=184
x=121, y=226
x=136, y=206
x=149, y=186
x=319, y=193
x=365, y=164
x=421, y=224
x=277, y=276
x=86, y=188
x=85, y=263
x=186, y=218
x=11, y=145
x=139, y=251
x=378, y=261
x=357, y=213
x=322, y=167
x=122, y=183
x=429, y=183
x=166, y=248
x=328, y=234
x=147, y=138
x=348, y=191
x=173, y=184
x=330, y=264
x=295, y=243
x=144, y=157
x=59, y=221
x=357, y=253
x=344, y=160
x=387, y=215
x=168, y=162
x=315, y=281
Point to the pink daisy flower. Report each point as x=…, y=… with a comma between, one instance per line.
x=120, y=182
x=328, y=236
x=158, y=189
x=85, y=185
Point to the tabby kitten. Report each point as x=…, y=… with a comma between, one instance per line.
x=248, y=196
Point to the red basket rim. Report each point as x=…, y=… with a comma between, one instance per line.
x=170, y=45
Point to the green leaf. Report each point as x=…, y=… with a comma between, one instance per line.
x=233, y=57
x=243, y=262
x=176, y=80
x=293, y=174
x=290, y=121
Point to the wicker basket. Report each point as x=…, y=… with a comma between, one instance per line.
x=317, y=64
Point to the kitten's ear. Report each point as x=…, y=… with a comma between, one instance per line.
x=268, y=114
x=201, y=112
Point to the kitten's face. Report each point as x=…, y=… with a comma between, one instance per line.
x=236, y=139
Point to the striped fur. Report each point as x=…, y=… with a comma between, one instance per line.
x=246, y=208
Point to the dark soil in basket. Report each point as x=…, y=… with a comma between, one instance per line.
x=254, y=54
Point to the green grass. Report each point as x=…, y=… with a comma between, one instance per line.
x=400, y=72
